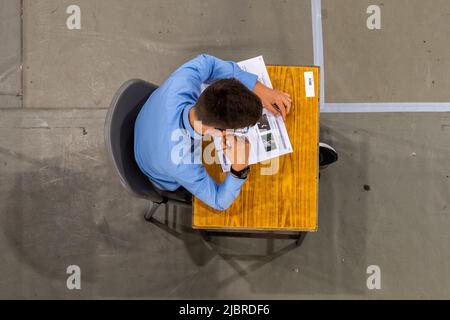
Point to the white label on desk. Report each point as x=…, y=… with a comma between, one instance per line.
x=309, y=84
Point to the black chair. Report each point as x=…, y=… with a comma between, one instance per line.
x=119, y=140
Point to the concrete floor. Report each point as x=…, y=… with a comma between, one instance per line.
x=385, y=203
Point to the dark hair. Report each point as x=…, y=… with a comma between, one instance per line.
x=228, y=104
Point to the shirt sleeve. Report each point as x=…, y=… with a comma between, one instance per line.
x=201, y=185
x=207, y=69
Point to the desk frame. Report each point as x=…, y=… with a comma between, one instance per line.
x=298, y=236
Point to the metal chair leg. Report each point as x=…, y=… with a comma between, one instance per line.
x=151, y=210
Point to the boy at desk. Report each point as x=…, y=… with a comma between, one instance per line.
x=233, y=100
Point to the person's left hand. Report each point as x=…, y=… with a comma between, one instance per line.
x=272, y=98
x=238, y=151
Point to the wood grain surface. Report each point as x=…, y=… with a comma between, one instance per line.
x=286, y=200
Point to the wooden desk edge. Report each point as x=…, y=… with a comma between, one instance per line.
x=230, y=229
x=293, y=66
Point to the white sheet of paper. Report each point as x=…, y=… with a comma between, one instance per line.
x=257, y=66
x=309, y=84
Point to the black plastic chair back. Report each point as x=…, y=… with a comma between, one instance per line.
x=119, y=137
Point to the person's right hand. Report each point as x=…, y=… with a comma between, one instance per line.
x=237, y=149
x=274, y=100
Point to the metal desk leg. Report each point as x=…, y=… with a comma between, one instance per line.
x=301, y=237
x=205, y=235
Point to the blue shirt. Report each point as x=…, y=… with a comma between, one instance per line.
x=163, y=132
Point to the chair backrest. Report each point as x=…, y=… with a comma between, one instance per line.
x=119, y=137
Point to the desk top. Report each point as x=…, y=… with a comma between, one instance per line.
x=286, y=201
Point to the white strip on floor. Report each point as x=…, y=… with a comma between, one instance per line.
x=316, y=18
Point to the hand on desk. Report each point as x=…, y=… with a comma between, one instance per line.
x=273, y=100
x=237, y=149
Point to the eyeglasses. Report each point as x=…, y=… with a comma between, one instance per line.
x=242, y=130
x=237, y=131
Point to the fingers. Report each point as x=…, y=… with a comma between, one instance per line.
x=282, y=108
x=227, y=145
x=237, y=150
x=287, y=103
x=224, y=142
x=288, y=96
x=241, y=151
x=271, y=108
x=280, y=103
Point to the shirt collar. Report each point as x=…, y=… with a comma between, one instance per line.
x=186, y=124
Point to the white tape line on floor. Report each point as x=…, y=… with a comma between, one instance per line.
x=316, y=18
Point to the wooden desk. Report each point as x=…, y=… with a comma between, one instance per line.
x=286, y=201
